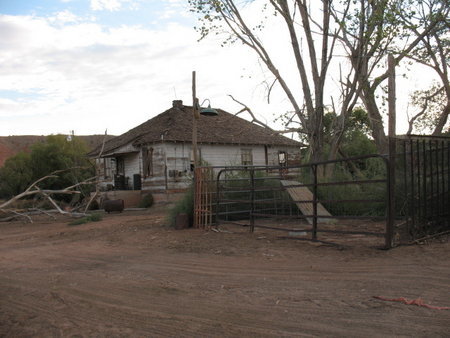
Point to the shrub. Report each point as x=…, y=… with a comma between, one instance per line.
x=347, y=192
x=95, y=217
x=15, y=175
x=87, y=219
x=184, y=206
x=146, y=201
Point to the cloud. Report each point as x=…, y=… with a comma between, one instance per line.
x=64, y=17
x=89, y=77
x=114, y=5
x=174, y=9
x=109, y=5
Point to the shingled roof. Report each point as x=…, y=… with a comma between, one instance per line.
x=175, y=125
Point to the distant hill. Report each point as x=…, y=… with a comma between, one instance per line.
x=11, y=145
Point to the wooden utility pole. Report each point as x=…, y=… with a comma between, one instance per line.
x=391, y=96
x=195, y=117
x=392, y=152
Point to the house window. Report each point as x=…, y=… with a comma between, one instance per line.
x=147, y=161
x=107, y=167
x=113, y=166
x=120, y=166
x=246, y=157
x=282, y=158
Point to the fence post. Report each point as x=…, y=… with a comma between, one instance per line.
x=195, y=221
x=252, y=200
x=391, y=201
x=314, y=232
x=392, y=151
x=413, y=209
x=218, y=197
x=424, y=180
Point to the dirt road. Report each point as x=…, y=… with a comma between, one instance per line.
x=130, y=275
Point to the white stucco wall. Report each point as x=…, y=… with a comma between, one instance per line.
x=230, y=155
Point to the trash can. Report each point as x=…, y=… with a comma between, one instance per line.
x=137, y=184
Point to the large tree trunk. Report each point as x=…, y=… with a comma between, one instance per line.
x=442, y=119
x=376, y=120
x=316, y=148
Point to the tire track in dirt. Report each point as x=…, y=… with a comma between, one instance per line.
x=159, y=282
x=109, y=299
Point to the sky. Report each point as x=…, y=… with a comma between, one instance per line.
x=96, y=65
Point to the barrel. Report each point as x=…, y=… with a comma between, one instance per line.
x=113, y=205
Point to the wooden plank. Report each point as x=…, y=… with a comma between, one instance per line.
x=306, y=208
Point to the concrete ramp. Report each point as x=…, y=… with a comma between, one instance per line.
x=306, y=208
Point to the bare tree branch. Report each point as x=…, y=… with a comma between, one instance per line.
x=16, y=215
x=34, y=189
x=255, y=120
x=97, y=188
x=423, y=111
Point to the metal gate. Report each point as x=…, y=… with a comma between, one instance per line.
x=296, y=198
x=203, y=197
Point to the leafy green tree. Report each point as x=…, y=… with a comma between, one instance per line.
x=433, y=105
x=356, y=141
x=371, y=30
x=357, y=128
x=310, y=36
x=15, y=175
x=56, y=153
x=318, y=34
x=433, y=51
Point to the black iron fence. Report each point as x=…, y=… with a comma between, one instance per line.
x=423, y=185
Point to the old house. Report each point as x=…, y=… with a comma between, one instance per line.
x=157, y=156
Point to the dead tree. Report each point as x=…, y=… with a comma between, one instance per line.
x=34, y=189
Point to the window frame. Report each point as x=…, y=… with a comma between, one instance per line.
x=285, y=158
x=246, y=156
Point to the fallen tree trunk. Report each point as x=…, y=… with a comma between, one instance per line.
x=34, y=189
x=34, y=212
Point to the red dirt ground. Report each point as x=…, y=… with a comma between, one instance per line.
x=130, y=275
